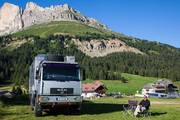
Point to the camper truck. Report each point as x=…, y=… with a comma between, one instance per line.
x=54, y=81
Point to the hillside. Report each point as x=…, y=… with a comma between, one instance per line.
x=97, y=42
x=63, y=27
x=140, y=57
x=135, y=82
x=84, y=32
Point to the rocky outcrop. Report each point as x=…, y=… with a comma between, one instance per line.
x=99, y=48
x=34, y=14
x=10, y=19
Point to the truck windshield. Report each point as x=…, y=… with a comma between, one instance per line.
x=60, y=72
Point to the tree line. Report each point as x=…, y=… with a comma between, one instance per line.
x=160, y=60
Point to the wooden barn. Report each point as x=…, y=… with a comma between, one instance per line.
x=95, y=89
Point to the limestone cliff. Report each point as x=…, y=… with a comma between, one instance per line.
x=10, y=19
x=99, y=48
x=13, y=19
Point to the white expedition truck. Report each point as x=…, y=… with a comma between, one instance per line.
x=54, y=81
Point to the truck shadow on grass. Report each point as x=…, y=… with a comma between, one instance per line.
x=90, y=108
x=100, y=108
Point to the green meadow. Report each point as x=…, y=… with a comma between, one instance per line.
x=98, y=109
x=63, y=27
x=107, y=108
x=134, y=83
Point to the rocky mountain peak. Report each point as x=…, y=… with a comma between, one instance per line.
x=7, y=5
x=66, y=6
x=35, y=14
x=32, y=6
x=10, y=18
x=8, y=8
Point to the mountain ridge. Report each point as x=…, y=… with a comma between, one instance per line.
x=34, y=14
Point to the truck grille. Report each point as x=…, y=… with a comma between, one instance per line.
x=61, y=91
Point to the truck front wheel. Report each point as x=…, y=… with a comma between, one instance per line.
x=38, y=110
x=32, y=102
x=76, y=109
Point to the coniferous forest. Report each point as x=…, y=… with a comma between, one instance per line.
x=160, y=60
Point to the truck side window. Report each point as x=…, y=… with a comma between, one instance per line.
x=37, y=75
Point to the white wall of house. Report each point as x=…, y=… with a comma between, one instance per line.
x=89, y=94
x=145, y=92
x=153, y=93
x=158, y=95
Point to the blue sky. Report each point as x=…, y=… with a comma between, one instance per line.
x=156, y=20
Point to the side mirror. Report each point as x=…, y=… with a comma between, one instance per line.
x=83, y=75
x=37, y=74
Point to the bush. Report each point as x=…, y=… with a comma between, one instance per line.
x=17, y=90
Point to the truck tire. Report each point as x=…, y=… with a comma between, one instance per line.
x=32, y=102
x=76, y=110
x=37, y=110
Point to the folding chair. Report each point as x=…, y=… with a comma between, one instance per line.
x=130, y=108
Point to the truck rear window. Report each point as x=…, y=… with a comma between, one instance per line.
x=60, y=72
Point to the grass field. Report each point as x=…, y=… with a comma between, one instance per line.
x=99, y=109
x=73, y=28
x=135, y=82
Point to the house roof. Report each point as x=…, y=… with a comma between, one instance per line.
x=148, y=86
x=164, y=82
x=159, y=84
x=92, y=87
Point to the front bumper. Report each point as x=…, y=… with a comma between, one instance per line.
x=60, y=99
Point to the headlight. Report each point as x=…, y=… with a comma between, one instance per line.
x=43, y=99
x=77, y=98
